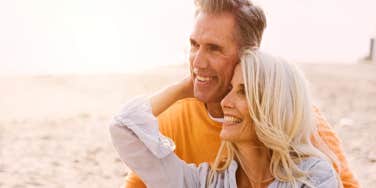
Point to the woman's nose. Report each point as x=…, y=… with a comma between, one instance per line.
x=227, y=102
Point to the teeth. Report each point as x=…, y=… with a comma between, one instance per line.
x=203, y=79
x=232, y=119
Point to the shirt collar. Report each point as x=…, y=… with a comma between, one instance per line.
x=219, y=120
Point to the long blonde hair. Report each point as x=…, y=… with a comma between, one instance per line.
x=281, y=110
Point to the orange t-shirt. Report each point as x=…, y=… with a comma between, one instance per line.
x=334, y=143
x=197, y=138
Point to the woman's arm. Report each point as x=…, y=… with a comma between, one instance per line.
x=169, y=171
x=166, y=97
x=136, y=137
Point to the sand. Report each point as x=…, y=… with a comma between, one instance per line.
x=53, y=128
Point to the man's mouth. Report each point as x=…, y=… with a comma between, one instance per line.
x=203, y=78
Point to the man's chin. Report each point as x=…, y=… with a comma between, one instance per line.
x=201, y=97
x=207, y=97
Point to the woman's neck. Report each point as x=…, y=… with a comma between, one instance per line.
x=254, y=160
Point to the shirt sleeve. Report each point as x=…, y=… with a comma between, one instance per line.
x=146, y=151
x=165, y=121
x=321, y=174
x=332, y=140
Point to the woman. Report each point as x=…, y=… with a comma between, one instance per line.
x=267, y=136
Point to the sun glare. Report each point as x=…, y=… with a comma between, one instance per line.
x=125, y=36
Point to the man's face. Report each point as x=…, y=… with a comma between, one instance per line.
x=213, y=55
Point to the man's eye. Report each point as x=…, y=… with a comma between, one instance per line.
x=214, y=48
x=194, y=44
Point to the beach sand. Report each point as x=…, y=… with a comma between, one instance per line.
x=53, y=128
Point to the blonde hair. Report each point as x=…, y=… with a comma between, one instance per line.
x=282, y=113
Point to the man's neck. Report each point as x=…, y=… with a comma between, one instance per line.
x=214, y=109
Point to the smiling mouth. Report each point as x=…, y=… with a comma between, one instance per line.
x=203, y=78
x=231, y=120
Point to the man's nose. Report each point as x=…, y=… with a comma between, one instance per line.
x=199, y=59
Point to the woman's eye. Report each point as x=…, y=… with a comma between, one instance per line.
x=241, y=91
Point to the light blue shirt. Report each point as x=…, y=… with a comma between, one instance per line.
x=136, y=137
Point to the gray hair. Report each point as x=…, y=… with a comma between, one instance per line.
x=250, y=20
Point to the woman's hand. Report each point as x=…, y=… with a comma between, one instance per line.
x=186, y=88
x=168, y=96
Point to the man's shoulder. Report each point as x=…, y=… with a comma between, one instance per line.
x=189, y=101
x=182, y=112
x=185, y=105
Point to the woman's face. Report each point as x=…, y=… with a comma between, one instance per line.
x=237, y=126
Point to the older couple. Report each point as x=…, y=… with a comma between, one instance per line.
x=250, y=123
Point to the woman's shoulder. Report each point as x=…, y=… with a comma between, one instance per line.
x=226, y=178
x=315, y=165
x=320, y=172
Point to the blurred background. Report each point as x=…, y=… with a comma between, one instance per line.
x=44, y=36
x=67, y=66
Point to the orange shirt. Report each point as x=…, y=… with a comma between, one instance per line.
x=197, y=138
x=334, y=143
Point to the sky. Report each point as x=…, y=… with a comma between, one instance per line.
x=98, y=36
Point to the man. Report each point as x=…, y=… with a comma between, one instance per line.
x=222, y=29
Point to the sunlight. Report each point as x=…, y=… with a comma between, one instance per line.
x=99, y=36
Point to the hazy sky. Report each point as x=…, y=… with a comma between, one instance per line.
x=82, y=36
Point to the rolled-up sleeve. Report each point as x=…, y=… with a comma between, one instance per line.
x=140, y=145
